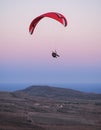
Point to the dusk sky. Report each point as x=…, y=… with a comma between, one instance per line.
x=26, y=58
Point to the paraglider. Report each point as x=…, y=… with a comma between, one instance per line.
x=53, y=15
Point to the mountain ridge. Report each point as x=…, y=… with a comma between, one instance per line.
x=57, y=93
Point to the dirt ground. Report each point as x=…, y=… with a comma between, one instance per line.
x=33, y=113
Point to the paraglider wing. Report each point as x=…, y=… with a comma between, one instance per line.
x=56, y=16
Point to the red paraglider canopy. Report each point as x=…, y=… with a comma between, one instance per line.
x=54, y=15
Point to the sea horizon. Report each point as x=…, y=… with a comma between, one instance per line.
x=83, y=87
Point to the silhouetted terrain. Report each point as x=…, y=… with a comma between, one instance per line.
x=49, y=108
x=58, y=93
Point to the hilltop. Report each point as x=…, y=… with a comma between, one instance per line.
x=58, y=93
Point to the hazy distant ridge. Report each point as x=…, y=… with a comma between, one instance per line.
x=57, y=93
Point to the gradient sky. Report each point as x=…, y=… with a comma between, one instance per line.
x=27, y=59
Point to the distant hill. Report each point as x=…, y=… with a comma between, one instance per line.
x=57, y=93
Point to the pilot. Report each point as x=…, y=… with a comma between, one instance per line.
x=54, y=54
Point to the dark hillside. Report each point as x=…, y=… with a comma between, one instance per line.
x=58, y=93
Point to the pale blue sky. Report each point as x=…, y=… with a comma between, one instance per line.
x=25, y=58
